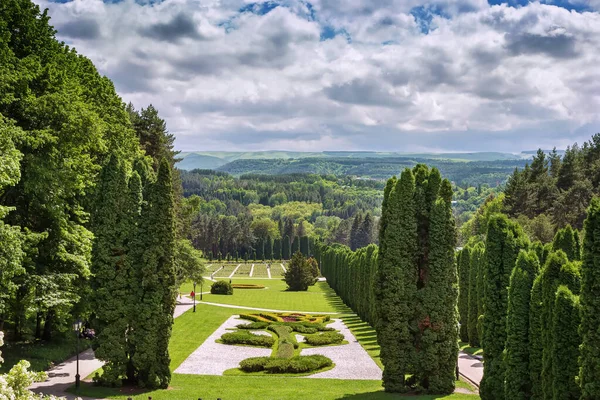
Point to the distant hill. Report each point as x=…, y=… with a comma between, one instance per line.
x=216, y=159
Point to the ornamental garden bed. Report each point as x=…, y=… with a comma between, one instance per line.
x=285, y=357
x=246, y=286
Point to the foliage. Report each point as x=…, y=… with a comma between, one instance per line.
x=518, y=385
x=590, y=306
x=565, y=345
x=324, y=338
x=503, y=242
x=299, y=275
x=464, y=274
x=253, y=325
x=247, y=338
x=221, y=287
x=567, y=240
x=536, y=347
x=416, y=283
x=475, y=304
x=294, y=365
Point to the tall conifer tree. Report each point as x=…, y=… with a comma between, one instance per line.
x=464, y=265
x=473, y=313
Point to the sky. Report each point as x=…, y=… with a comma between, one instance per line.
x=382, y=75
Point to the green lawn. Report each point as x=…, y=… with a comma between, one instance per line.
x=191, y=329
x=318, y=298
x=476, y=351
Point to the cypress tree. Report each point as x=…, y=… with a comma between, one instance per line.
x=277, y=249
x=268, y=252
x=111, y=266
x=437, y=348
x=156, y=296
x=397, y=256
x=566, y=240
x=550, y=282
x=367, y=230
x=260, y=246
x=286, y=248
x=480, y=291
x=355, y=232
x=304, y=246
x=503, y=242
x=295, y=245
x=518, y=383
x=536, y=348
x=473, y=312
x=464, y=263
x=565, y=345
x=590, y=305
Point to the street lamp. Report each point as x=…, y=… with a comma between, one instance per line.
x=201, y=289
x=77, y=325
x=194, y=296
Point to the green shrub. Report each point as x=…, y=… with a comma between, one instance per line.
x=253, y=325
x=245, y=337
x=221, y=287
x=321, y=339
x=285, y=334
x=254, y=364
x=294, y=365
x=285, y=349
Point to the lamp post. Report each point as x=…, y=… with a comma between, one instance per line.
x=202, y=280
x=194, y=296
x=77, y=329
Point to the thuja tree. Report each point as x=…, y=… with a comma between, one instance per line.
x=590, y=305
x=536, y=347
x=298, y=275
x=277, y=249
x=156, y=290
x=475, y=270
x=114, y=226
x=503, y=242
x=286, y=248
x=464, y=264
x=518, y=384
x=565, y=346
x=567, y=240
x=416, y=284
x=395, y=306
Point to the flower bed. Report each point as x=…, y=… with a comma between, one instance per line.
x=246, y=286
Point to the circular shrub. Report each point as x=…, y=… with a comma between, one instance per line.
x=221, y=287
x=246, y=286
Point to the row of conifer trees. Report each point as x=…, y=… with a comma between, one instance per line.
x=533, y=308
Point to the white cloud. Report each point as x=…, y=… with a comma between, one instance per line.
x=484, y=78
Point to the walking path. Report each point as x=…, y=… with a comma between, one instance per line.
x=284, y=270
x=470, y=367
x=272, y=310
x=269, y=271
x=62, y=376
x=251, y=270
x=234, y=271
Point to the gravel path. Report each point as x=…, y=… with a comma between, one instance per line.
x=470, y=367
x=284, y=270
x=251, y=270
x=213, y=358
x=234, y=271
x=273, y=310
x=269, y=271
x=351, y=360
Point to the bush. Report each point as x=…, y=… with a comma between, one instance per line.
x=285, y=349
x=253, y=325
x=324, y=338
x=245, y=337
x=294, y=365
x=285, y=334
x=221, y=287
x=299, y=274
x=246, y=286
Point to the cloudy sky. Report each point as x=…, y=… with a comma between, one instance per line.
x=388, y=75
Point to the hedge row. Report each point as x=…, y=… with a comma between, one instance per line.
x=294, y=365
x=324, y=338
x=245, y=337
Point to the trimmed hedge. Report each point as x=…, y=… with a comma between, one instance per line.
x=313, y=321
x=245, y=337
x=321, y=339
x=253, y=325
x=285, y=334
x=246, y=286
x=294, y=365
x=221, y=287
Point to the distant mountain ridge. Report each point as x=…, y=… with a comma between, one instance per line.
x=217, y=159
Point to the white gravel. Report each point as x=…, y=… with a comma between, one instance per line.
x=263, y=333
x=351, y=360
x=299, y=338
x=213, y=358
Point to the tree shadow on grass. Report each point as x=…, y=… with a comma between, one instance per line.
x=380, y=395
x=333, y=299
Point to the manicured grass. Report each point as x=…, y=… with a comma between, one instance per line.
x=42, y=355
x=318, y=298
x=276, y=270
x=243, y=271
x=476, y=351
x=190, y=331
x=225, y=272
x=260, y=271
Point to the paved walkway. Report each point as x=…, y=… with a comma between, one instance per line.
x=62, y=376
x=470, y=367
x=272, y=310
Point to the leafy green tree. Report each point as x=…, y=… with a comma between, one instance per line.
x=565, y=345
x=464, y=264
x=504, y=241
x=189, y=265
x=157, y=289
x=298, y=275
x=590, y=306
x=518, y=384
